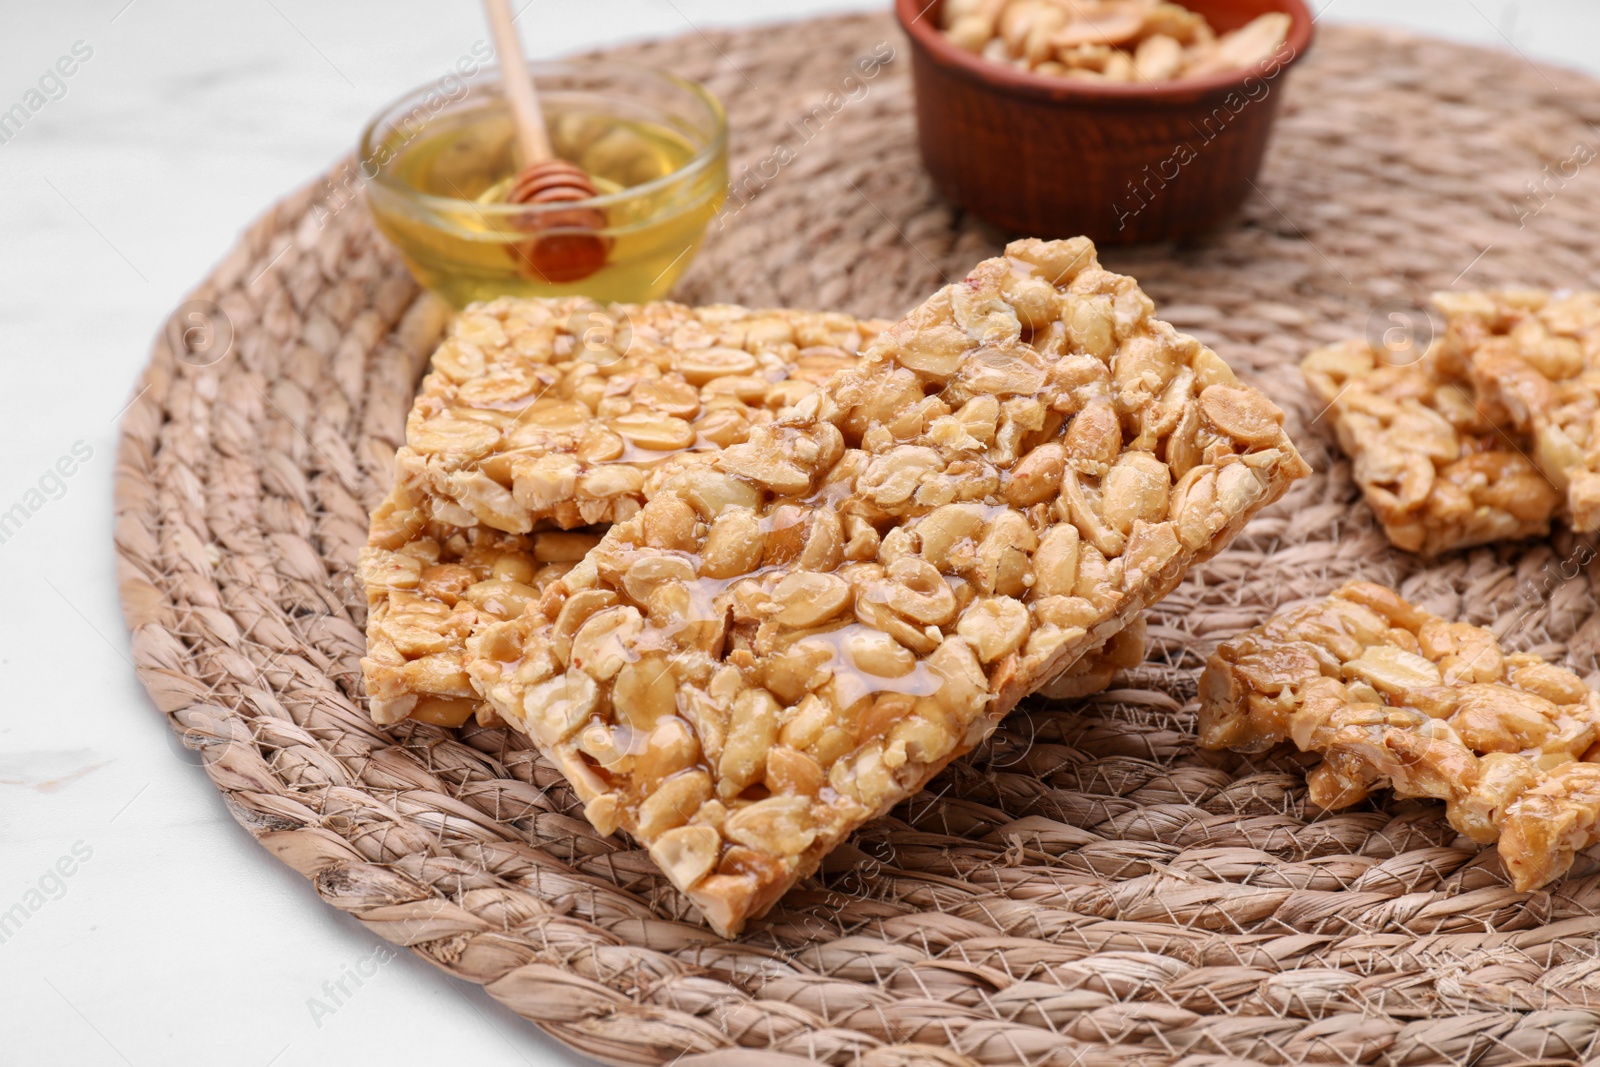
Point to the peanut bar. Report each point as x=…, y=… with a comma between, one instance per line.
x=794, y=636
x=1490, y=435
x=1437, y=472
x=1394, y=697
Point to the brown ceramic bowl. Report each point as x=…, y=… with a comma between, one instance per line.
x=1122, y=164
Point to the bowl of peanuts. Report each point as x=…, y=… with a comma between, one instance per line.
x=1128, y=121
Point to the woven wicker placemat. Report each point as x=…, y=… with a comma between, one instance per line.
x=1088, y=888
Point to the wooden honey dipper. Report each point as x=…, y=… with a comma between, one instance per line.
x=580, y=247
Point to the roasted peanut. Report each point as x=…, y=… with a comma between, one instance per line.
x=751, y=731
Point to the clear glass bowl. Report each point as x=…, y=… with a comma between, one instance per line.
x=656, y=144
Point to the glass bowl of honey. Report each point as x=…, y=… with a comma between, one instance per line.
x=438, y=167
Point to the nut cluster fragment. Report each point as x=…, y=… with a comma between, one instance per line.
x=791, y=638
x=565, y=412
x=1394, y=697
x=1437, y=473
x=1490, y=435
x=1108, y=40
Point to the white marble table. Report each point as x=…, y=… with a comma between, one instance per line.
x=138, y=924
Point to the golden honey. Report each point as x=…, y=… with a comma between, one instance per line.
x=439, y=191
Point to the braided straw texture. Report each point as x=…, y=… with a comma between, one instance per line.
x=1088, y=888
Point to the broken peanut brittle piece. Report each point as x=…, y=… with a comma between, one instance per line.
x=1435, y=470
x=563, y=412
x=1394, y=697
x=1493, y=433
x=792, y=638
